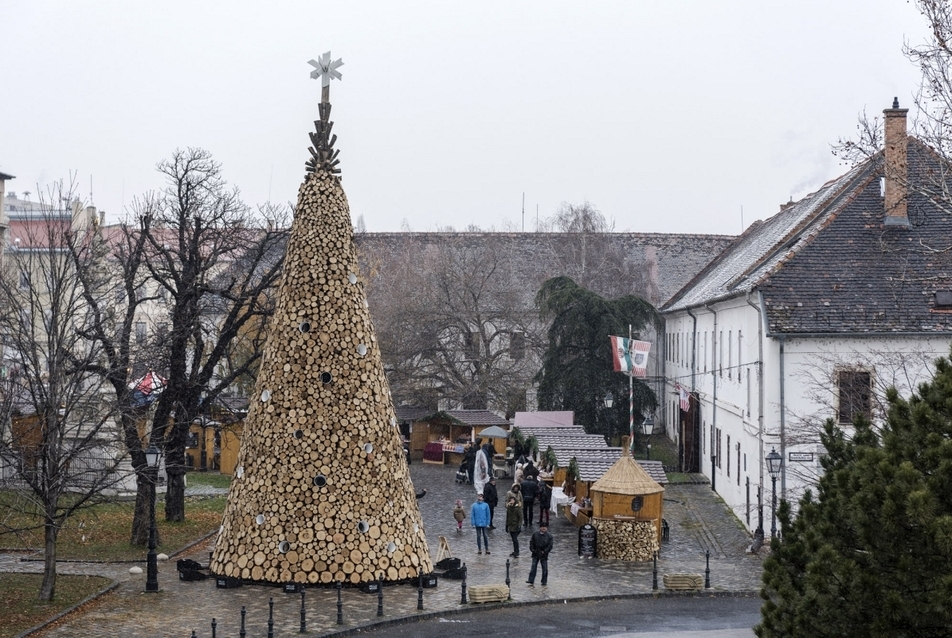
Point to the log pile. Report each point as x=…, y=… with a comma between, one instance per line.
x=626, y=539
x=322, y=491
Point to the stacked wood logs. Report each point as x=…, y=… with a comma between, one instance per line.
x=322, y=491
x=626, y=539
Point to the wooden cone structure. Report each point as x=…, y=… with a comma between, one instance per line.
x=322, y=490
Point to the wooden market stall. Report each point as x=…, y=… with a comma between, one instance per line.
x=627, y=512
x=442, y=437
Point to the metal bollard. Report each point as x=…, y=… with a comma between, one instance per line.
x=241, y=632
x=419, y=598
x=340, y=606
x=654, y=576
x=303, y=629
x=214, y=628
x=194, y=635
x=271, y=618
x=507, y=579
x=707, y=569
x=462, y=599
x=380, y=595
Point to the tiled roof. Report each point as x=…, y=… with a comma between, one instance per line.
x=828, y=264
x=468, y=417
x=411, y=413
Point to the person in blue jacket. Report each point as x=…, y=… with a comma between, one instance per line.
x=479, y=518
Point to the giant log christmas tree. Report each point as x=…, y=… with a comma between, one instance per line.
x=322, y=491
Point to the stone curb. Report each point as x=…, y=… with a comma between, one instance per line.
x=49, y=621
x=474, y=607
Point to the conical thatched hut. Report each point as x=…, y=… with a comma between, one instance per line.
x=322, y=491
x=626, y=511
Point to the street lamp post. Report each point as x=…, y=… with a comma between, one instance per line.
x=774, y=463
x=152, y=566
x=648, y=427
x=609, y=401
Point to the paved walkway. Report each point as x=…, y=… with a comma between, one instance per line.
x=699, y=522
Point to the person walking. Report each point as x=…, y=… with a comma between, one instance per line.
x=513, y=521
x=491, y=496
x=479, y=518
x=530, y=489
x=460, y=515
x=482, y=472
x=545, y=502
x=540, y=545
x=469, y=459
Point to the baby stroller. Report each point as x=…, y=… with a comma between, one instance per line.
x=462, y=476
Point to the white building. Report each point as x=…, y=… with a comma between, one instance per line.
x=810, y=315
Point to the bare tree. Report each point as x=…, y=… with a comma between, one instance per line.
x=455, y=323
x=589, y=255
x=218, y=267
x=56, y=417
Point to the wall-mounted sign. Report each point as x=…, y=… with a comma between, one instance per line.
x=803, y=457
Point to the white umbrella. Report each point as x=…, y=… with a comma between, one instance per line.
x=493, y=432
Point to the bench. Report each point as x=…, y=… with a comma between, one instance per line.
x=488, y=593
x=684, y=582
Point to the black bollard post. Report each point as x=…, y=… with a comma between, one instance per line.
x=419, y=597
x=462, y=599
x=507, y=579
x=303, y=618
x=271, y=618
x=241, y=632
x=654, y=575
x=340, y=606
x=214, y=628
x=380, y=595
x=194, y=635
x=707, y=569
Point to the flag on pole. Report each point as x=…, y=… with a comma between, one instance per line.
x=631, y=356
x=684, y=397
x=639, y=358
x=621, y=354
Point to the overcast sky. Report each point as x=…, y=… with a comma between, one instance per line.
x=669, y=116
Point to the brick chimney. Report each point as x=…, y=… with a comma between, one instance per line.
x=896, y=166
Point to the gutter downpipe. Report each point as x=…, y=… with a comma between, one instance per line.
x=693, y=348
x=783, y=408
x=714, y=357
x=759, y=532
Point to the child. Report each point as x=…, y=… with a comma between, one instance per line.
x=459, y=514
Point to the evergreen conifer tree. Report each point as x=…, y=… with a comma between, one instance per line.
x=871, y=554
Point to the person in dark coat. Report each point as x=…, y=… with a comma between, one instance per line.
x=491, y=497
x=530, y=470
x=540, y=545
x=545, y=502
x=513, y=520
x=530, y=489
x=469, y=458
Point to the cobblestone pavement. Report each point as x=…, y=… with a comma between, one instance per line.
x=699, y=522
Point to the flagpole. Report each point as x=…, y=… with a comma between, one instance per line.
x=631, y=403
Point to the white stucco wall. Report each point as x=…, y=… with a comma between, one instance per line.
x=741, y=366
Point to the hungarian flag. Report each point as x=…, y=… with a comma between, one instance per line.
x=684, y=398
x=630, y=356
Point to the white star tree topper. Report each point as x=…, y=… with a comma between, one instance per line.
x=327, y=71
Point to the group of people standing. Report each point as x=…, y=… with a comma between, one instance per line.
x=520, y=502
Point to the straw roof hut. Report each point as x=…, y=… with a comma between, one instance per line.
x=626, y=510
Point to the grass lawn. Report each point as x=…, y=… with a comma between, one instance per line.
x=102, y=532
x=211, y=479
x=21, y=609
